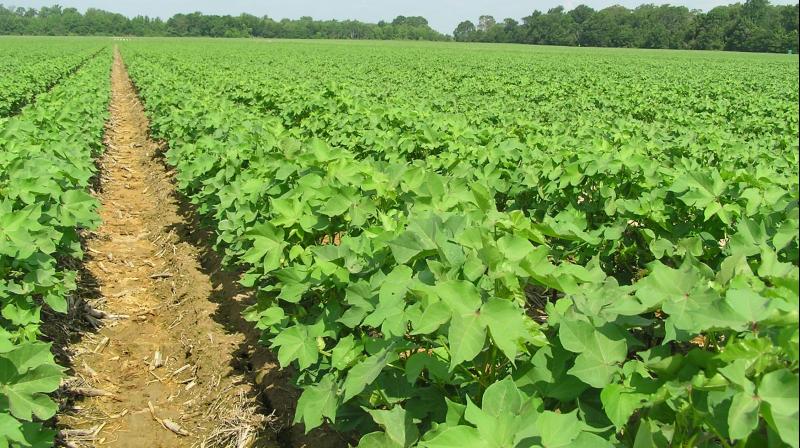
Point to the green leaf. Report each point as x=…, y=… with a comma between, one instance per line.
x=784, y=425
x=345, y=352
x=395, y=285
x=466, y=338
x=408, y=245
x=365, y=372
x=389, y=313
x=77, y=209
x=270, y=316
x=748, y=304
x=377, y=439
x=433, y=317
x=295, y=343
x=779, y=389
x=506, y=324
x=10, y=431
x=26, y=392
x=600, y=352
x=455, y=412
x=473, y=268
x=619, y=403
x=268, y=245
x=400, y=430
x=514, y=248
x=502, y=396
x=743, y=415
x=558, y=430
x=496, y=430
x=651, y=435
x=787, y=232
x=30, y=355
x=589, y=440
x=461, y=296
x=317, y=401
x=456, y=437
x=56, y=302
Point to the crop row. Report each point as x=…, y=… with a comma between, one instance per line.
x=29, y=66
x=613, y=288
x=594, y=175
x=46, y=164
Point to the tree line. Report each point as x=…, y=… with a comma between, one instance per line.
x=58, y=21
x=755, y=25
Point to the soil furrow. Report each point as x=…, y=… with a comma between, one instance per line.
x=159, y=365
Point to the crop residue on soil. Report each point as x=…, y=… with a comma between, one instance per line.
x=159, y=370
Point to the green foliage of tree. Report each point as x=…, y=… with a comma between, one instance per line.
x=57, y=21
x=755, y=25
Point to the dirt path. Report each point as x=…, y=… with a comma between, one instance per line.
x=167, y=358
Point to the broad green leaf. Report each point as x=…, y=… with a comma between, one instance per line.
x=398, y=426
x=30, y=355
x=462, y=297
x=345, y=352
x=502, y=396
x=420, y=361
x=10, y=431
x=317, y=402
x=395, y=285
x=456, y=437
x=514, y=248
x=780, y=390
x=599, y=354
x=365, y=372
x=748, y=304
x=558, y=430
x=268, y=245
x=455, y=412
x=377, y=439
x=294, y=343
x=77, y=209
x=784, y=425
x=651, y=435
x=467, y=336
x=743, y=415
x=506, y=325
x=408, y=245
x=26, y=392
x=433, y=317
x=620, y=403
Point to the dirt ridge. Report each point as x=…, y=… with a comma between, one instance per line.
x=160, y=370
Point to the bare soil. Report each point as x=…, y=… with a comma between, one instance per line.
x=168, y=365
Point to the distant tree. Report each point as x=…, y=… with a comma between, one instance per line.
x=662, y=26
x=251, y=24
x=709, y=29
x=558, y=28
x=787, y=17
x=510, y=30
x=581, y=13
x=485, y=22
x=754, y=25
x=610, y=27
x=464, y=32
x=531, y=31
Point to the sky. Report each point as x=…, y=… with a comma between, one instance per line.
x=443, y=15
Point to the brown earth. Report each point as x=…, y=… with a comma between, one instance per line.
x=167, y=366
x=151, y=286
